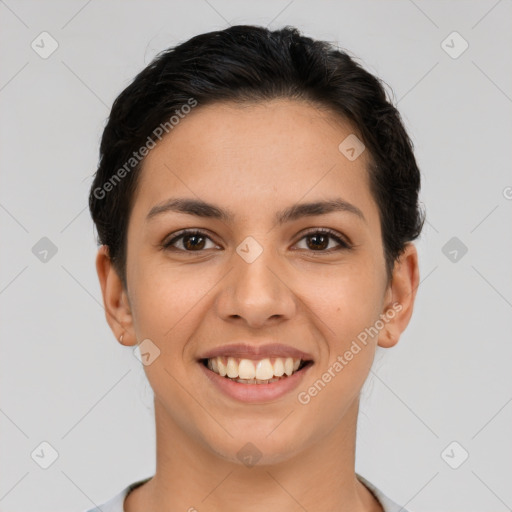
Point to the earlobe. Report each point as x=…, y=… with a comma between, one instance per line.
x=387, y=339
x=115, y=299
x=400, y=297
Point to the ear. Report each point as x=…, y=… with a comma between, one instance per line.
x=115, y=298
x=399, y=298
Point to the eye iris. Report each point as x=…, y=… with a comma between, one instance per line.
x=194, y=245
x=316, y=236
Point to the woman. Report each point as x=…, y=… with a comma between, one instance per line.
x=256, y=202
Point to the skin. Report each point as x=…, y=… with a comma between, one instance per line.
x=255, y=159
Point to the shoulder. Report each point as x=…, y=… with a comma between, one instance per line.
x=115, y=504
x=387, y=504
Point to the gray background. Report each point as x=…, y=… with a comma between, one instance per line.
x=65, y=380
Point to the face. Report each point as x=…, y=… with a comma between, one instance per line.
x=313, y=281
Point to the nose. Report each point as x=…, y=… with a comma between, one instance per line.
x=256, y=293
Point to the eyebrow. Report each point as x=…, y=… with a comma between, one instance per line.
x=203, y=209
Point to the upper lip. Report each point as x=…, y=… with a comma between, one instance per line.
x=245, y=350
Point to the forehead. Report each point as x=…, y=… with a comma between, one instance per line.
x=255, y=155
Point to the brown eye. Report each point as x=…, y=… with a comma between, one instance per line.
x=319, y=240
x=191, y=241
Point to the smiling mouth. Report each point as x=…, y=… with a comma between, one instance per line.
x=247, y=371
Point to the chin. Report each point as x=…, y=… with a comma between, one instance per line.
x=254, y=445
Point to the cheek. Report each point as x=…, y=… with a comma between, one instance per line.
x=348, y=307
x=349, y=304
x=167, y=311
x=350, y=298
x=168, y=303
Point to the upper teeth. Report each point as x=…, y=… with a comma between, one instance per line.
x=263, y=369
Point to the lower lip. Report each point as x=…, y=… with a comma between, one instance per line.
x=256, y=393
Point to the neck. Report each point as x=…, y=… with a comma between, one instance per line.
x=189, y=475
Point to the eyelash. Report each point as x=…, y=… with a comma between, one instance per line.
x=344, y=245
